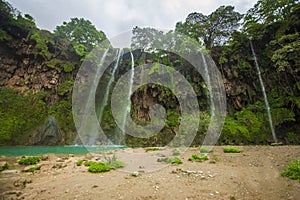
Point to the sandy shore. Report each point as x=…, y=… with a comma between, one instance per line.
x=252, y=174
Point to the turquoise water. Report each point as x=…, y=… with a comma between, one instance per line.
x=38, y=150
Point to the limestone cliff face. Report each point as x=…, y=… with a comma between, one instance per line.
x=49, y=71
x=23, y=69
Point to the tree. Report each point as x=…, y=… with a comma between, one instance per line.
x=82, y=33
x=269, y=11
x=146, y=38
x=213, y=29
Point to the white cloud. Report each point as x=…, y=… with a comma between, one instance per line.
x=116, y=16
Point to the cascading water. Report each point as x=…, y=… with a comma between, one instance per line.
x=127, y=110
x=91, y=96
x=264, y=92
x=208, y=81
x=111, y=80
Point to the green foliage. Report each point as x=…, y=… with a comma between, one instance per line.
x=33, y=169
x=152, y=149
x=5, y=166
x=174, y=161
x=113, y=163
x=205, y=150
x=199, y=158
x=65, y=87
x=19, y=115
x=176, y=152
x=62, y=111
x=79, y=162
x=231, y=150
x=82, y=34
x=4, y=36
x=60, y=65
x=293, y=170
x=98, y=168
x=89, y=163
x=40, y=47
x=211, y=29
x=32, y=160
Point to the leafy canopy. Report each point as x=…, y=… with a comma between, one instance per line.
x=82, y=33
x=211, y=29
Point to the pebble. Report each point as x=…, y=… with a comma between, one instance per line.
x=135, y=174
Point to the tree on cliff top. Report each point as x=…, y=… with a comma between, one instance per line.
x=211, y=29
x=82, y=33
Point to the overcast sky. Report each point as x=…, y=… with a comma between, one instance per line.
x=117, y=16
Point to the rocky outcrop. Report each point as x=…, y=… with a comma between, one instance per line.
x=48, y=134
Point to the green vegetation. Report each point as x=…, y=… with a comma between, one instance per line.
x=152, y=149
x=32, y=160
x=293, y=170
x=33, y=169
x=174, y=161
x=176, y=152
x=5, y=166
x=196, y=157
x=113, y=163
x=19, y=115
x=99, y=167
x=79, y=162
x=211, y=29
x=231, y=150
x=205, y=150
x=82, y=34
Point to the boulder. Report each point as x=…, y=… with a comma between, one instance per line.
x=48, y=134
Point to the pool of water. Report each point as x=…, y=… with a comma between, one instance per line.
x=38, y=150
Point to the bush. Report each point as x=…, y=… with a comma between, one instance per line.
x=196, y=157
x=231, y=150
x=89, y=163
x=33, y=169
x=176, y=152
x=174, y=161
x=205, y=150
x=113, y=163
x=79, y=162
x=5, y=166
x=99, y=167
x=29, y=160
x=293, y=170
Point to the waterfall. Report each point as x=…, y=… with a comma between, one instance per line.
x=89, y=106
x=208, y=81
x=127, y=110
x=111, y=80
x=264, y=92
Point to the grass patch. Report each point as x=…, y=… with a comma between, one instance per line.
x=174, y=161
x=79, y=162
x=99, y=167
x=196, y=157
x=205, y=150
x=5, y=166
x=113, y=163
x=32, y=160
x=231, y=150
x=293, y=170
x=152, y=149
x=176, y=152
x=33, y=169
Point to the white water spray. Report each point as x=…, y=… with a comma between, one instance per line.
x=89, y=106
x=208, y=81
x=128, y=107
x=264, y=93
x=111, y=80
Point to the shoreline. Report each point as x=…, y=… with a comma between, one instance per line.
x=252, y=174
